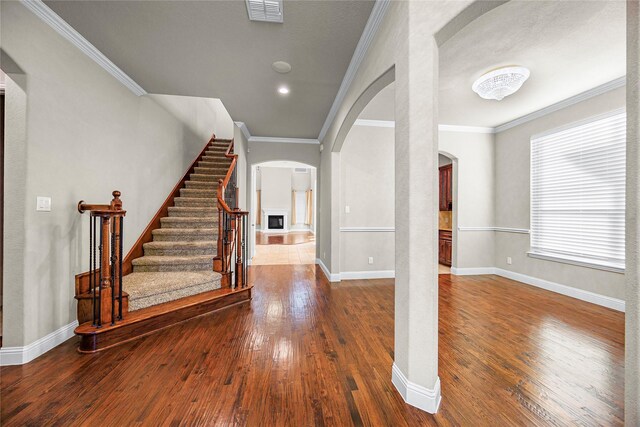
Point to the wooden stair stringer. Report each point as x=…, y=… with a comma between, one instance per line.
x=152, y=319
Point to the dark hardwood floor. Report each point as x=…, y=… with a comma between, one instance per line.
x=305, y=352
x=291, y=238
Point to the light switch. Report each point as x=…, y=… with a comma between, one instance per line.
x=347, y=209
x=43, y=204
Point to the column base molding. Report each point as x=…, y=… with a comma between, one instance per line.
x=427, y=399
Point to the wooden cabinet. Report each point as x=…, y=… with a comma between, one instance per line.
x=446, y=188
x=444, y=247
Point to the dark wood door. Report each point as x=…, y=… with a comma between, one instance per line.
x=446, y=187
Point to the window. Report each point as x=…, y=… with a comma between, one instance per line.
x=578, y=193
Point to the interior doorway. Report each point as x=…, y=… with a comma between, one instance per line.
x=283, y=213
x=2, y=100
x=445, y=214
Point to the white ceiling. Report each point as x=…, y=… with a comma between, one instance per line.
x=211, y=49
x=569, y=46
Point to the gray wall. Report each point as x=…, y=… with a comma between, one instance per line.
x=74, y=132
x=473, y=188
x=367, y=186
x=513, y=193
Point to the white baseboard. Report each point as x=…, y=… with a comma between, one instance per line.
x=427, y=399
x=379, y=274
x=21, y=355
x=592, y=297
x=330, y=277
x=472, y=271
x=581, y=294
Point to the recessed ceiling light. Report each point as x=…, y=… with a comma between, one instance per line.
x=283, y=90
x=281, y=67
x=499, y=83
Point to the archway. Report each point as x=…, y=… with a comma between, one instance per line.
x=282, y=209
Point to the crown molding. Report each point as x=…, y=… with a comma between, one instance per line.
x=598, y=90
x=283, y=140
x=371, y=28
x=466, y=129
x=49, y=17
x=244, y=129
x=375, y=123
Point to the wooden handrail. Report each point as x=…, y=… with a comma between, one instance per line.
x=231, y=231
x=105, y=273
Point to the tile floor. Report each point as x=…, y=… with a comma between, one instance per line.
x=304, y=253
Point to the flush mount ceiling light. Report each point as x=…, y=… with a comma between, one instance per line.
x=499, y=83
x=283, y=90
x=265, y=10
x=281, y=67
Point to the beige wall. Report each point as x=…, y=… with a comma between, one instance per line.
x=513, y=208
x=367, y=186
x=473, y=187
x=84, y=135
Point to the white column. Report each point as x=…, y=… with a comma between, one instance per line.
x=632, y=316
x=415, y=370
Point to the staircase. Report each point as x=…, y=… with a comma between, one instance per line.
x=179, y=261
x=174, y=279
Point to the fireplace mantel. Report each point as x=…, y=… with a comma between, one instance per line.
x=265, y=220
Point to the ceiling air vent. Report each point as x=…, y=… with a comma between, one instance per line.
x=265, y=10
x=300, y=170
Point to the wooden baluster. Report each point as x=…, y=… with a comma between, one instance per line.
x=217, y=261
x=239, y=260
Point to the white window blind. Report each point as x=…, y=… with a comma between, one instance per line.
x=578, y=192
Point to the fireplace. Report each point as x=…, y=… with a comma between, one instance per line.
x=276, y=222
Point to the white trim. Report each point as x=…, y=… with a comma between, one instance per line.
x=581, y=294
x=369, y=32
x=466, y=129
x=379, y=274
x=244, y=129
x=367, y=229
x=375, y=123
x=581, y=122
x=285, y=140
x=49, y=17
x=580, y=263
x=427, y=399
x=472, y=271
x=598, y=90
x=330, y=277
x=21, y=355
x=498, y=229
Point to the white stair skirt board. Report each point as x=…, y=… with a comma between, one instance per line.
x=592, y=297
x=427, y=399
x=21, y=355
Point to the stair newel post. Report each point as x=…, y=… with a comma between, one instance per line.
x=104, y=293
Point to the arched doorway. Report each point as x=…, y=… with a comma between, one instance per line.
x=282, y=213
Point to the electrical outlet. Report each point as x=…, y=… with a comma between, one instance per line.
x=509, y=260
x=347, y=209
x=370, y=260
x=43, y=204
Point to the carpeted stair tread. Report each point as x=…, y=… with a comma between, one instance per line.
x=195, y=201
x=210, y=171
x=198, y=211
x=189, y=222
x=150, y=263
x=198, y=192
x=181, y=248
x=184, y=234
x=152, y=288
x=203, y=185
x=206, y=177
